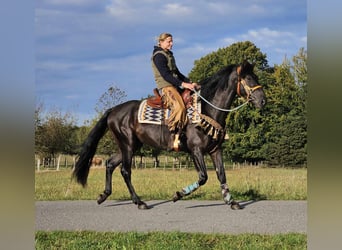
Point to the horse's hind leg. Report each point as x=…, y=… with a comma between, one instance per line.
x=111, y=164
x=126, y=174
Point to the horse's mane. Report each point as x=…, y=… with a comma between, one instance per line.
x=218, y=81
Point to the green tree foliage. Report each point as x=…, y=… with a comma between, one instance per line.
x=287, y=117
x=54, y=133
x=234, y=54
x=287, y=142
x=37, y=125
x=81, y=134
x=300, y=70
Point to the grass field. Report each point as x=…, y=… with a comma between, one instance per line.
x=159, y=184
x=170, y=241
x=154, y=184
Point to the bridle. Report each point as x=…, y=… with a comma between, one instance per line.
x=241, y=81
x=249, y=90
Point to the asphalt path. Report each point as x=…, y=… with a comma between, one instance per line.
x=262, y=217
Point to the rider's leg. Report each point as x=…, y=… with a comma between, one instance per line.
x=178, y=117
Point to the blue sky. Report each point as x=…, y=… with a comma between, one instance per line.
x=84, y=46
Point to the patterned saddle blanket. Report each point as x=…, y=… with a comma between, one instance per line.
x=156, y=115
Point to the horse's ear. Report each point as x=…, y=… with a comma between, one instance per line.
x=247, y=67
x=239, y=69
x=253, y=65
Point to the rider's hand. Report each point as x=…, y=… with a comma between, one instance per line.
x=196, y=85
x=191, y=86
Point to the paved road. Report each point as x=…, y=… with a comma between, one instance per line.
x=263, y=217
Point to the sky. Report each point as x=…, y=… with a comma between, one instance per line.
x=82, y=47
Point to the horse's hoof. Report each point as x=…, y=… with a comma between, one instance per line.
x=101, y=198
x=143, y=205
x=177, y=196
x=235, y=205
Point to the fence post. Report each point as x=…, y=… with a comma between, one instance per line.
x=38, y=164
x=58, y=161
x=73, y=162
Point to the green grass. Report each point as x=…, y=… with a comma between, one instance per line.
x=159, y=184
x=162, y=240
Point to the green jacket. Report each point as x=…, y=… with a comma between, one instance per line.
x=165, y=70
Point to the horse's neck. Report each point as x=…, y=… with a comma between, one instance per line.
x=223, y=100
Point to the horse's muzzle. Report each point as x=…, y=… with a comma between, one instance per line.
x=258, y=103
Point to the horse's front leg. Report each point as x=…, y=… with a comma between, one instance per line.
x=217, y=159
x=202, y=174
x=111, y=164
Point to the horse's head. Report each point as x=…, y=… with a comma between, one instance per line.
x=248, y=85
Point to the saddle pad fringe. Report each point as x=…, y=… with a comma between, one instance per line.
x=211, y=127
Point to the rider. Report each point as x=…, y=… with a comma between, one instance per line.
x=170, y=81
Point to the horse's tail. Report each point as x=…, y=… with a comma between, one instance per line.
x=88, y=149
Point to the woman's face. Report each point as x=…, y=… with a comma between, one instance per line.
x=167, y=43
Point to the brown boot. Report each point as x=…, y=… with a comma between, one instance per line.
x=174, y=142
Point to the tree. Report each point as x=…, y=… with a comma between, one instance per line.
x=112, y=97
x=234, y=54
x=54, y=134
x=287, y=142
x=300, y=70
x=287, y=121
x=37, y=124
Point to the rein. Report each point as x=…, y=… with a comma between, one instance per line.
x=218, y=108
x=249, y=91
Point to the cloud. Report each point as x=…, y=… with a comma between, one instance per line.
x=133, y=12
x=121, y=10
x=304, y=39
x=255, y=9
x=268, y=36
x=176, y=10
x=53, y=65
x=70, y=5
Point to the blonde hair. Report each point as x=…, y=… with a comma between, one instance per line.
x=162, y=37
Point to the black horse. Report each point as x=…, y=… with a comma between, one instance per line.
x=217, y=93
